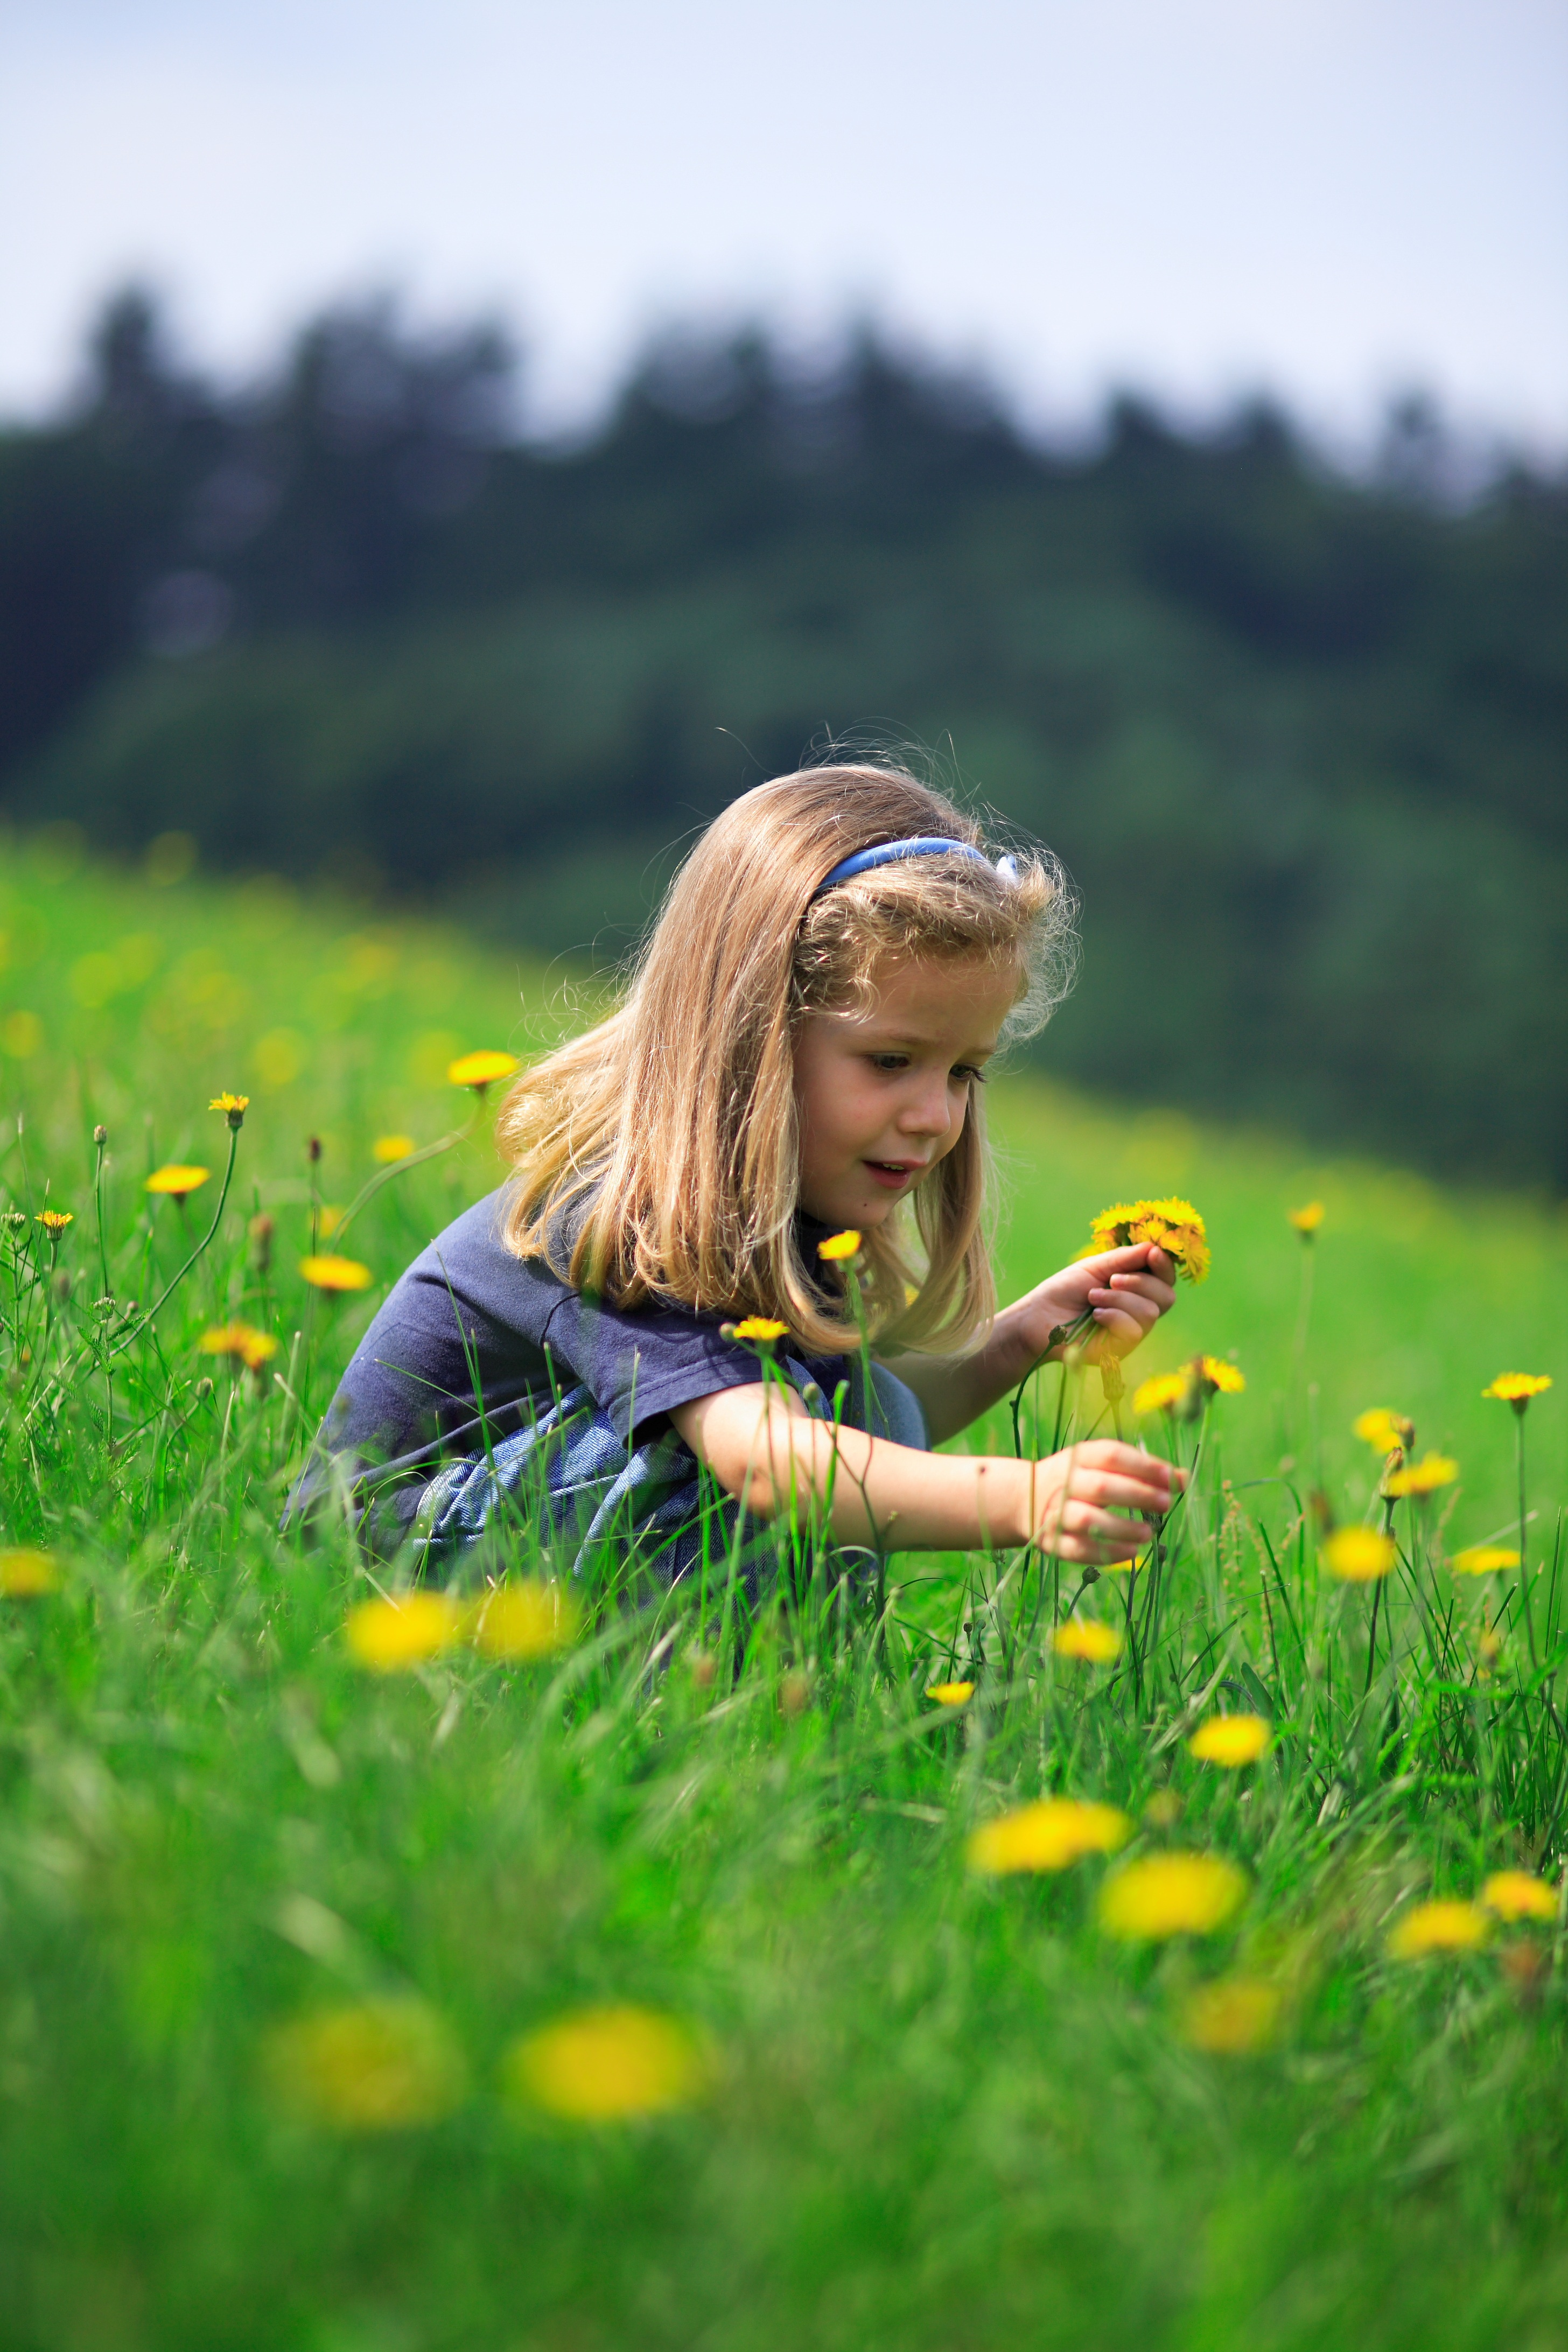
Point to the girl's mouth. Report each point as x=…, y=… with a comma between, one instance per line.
x=893, y=1173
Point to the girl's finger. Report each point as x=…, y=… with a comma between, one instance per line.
x=1135, y=1491
x=1118, y=1539
x=1159, y=1295
x=1123, y=1319
x=1085, y=1517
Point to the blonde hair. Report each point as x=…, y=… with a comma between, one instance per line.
x=671, y=1126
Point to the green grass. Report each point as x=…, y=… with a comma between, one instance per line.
x=940, y=2110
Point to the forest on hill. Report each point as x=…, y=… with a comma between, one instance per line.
x=1299, y=740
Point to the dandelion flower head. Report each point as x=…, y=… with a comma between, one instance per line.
x=1050, y=1836
x=1085, y=1638
x=1162, y=1393
x=25, y=1574
x=950, y=1694
x=1358, y=1555
x=605, y=2065
x=1483, y=1560
x=1439, y=1928
x=1384, y=1431
x=1172, y=1895
x=393, y=1636
x=523, y=1620
x=839, y=1247
x=328, y=1272
x=246, y=1345
x=1422, y=1477
x=176, y=1179
x=482, y=1069
x=1217, y=1373
x=1518, y=1388
x=760, y=1327
x=1518, y=1894
x=1306, y=1221
x=1231, y=1741
x=233, y=1106
x=55, y=1221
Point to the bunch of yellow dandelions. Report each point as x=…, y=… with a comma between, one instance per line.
x=1173, y=1224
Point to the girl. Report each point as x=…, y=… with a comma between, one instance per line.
x=800, y=1056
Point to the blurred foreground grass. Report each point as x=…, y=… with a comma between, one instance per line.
x=319, y=1985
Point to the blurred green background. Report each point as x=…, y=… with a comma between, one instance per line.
x=1298, y=739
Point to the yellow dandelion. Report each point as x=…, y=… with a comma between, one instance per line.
x=1216, y=1373
x=1191, y=1252
x=481, y=1070
x=525, y=1619
x=177, y=1181
x=25, y=1574
x=55, y=1221
x=1085, y=1638
x=1422, y=1477
x=1517, y=1388
x=1439, y=1928
x=234, y=1107
x=243, y=1342
x=1358, y=1555
x=1050, y=1836
x=607, y=2065
x=389, y=2064
x=1162, y=1393
x=1517, y=1894
x=1172, y=1895
x=1230, y=1741
x=1306, y=1221
x=328, y=1272
x=1384, y=1431
x=950, y=1694
x=839, y=1246
x=392, y=1636
x=1483, y=1560
x=1172, y=1223
x=759, y=1327
x=390, y=1148
x=1232, y=2017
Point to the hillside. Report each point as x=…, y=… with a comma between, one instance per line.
x=132, y=1005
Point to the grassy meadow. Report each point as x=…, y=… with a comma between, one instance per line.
x=589, y=1969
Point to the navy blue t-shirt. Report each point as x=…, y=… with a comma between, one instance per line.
x=473, y=1342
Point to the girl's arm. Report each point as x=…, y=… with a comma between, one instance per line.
x=1128, y=1290
x=764, y=1448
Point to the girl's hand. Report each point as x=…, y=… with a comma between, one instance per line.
x=1072, y=1497
x=1127, y=1290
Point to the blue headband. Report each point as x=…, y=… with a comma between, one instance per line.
x=921, y=844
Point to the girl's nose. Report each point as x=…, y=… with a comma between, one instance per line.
x=928, y=1112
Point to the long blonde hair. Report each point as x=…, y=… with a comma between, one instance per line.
x=671, y=1126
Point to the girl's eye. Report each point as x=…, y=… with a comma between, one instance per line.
x=964, y=1071
x=889, y=1061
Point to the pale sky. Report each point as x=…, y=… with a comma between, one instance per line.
x=1333, y=200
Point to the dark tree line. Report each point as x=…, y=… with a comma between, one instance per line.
x=1301, y=742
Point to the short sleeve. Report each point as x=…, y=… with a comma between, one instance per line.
x=639, y=1362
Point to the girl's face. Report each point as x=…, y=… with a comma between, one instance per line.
x=882, y=1096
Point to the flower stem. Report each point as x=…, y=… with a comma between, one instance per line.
x=399, y=1167
x=1523, y=1532
x=143, y=1322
